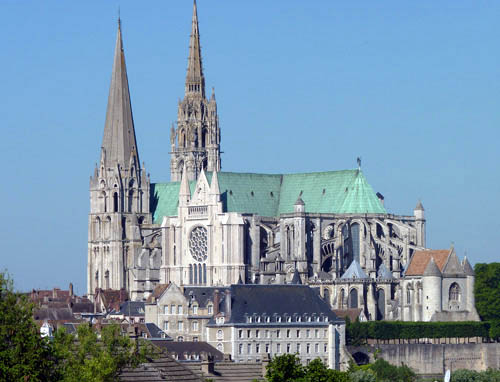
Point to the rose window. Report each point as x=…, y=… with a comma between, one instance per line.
x=198, y=243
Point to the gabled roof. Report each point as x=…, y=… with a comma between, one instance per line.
x=112, y=298
x=340, y=192
x=131, y=308
x=420, y=259
x=354, y=272
x=453, y=266
x=157, y=292
x=202, y=295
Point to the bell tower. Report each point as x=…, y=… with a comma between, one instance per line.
x=119, y=190
x=195, y=143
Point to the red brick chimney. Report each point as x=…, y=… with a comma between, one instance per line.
x=216, y=301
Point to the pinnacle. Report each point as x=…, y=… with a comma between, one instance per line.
x=195, y=81
x=119, y=142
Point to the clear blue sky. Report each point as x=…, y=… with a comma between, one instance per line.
x=411, y=87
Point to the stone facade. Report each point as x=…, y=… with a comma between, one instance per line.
x=212, y=228
x=182, y=312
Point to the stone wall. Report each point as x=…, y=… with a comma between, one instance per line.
x=435, y=359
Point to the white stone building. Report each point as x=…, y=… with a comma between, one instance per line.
x=256, y=320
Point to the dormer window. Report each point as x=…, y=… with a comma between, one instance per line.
x=219, y=320
x=278, y=318
x=210, y=309
x=195, y=309
x=289, y=319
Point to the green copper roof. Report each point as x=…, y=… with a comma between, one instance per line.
x=340, y=192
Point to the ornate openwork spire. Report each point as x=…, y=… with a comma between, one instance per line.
x=119, y=143
x=195, y=81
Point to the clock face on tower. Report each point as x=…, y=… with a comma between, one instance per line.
x=198, y=243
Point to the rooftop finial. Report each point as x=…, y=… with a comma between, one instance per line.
x=119, y=19
x=359, y=163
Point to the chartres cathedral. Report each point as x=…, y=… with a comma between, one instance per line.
x=209, y=227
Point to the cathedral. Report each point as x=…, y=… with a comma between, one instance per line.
x=207, y=227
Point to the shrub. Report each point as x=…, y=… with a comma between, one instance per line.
x=362, y=376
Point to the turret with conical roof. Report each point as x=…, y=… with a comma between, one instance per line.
x=196, y=140
x=119, y=189
x=432, y=290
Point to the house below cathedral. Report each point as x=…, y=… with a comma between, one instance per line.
x=207, y=227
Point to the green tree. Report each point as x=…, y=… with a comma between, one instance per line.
x=490, y=375
x=362, y=376
x=389, y=373
x=464, y=375
x=285, y=368
x=355, y=332
x=317, y=371
x=24, y=355
x=88, y=358
x=487, y=290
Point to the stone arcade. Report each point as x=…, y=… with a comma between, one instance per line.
x=207, y=227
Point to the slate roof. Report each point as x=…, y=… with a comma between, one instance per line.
x=53, y=314
x=131, y=308
x=383, y=273
x=453, y=266
x=340, y=192
x=202, y=349
x=354, y=272
x=296, y=278
x=289, y=299
x=156, y=332
x=467, y=267
x=431, y=269
x=420, y=259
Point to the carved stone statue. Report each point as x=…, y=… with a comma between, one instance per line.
x=172, y=135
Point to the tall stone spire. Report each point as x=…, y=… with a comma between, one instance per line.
x=119, y=143
x=195, y=143
x=195, y=81
x=119, y=194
